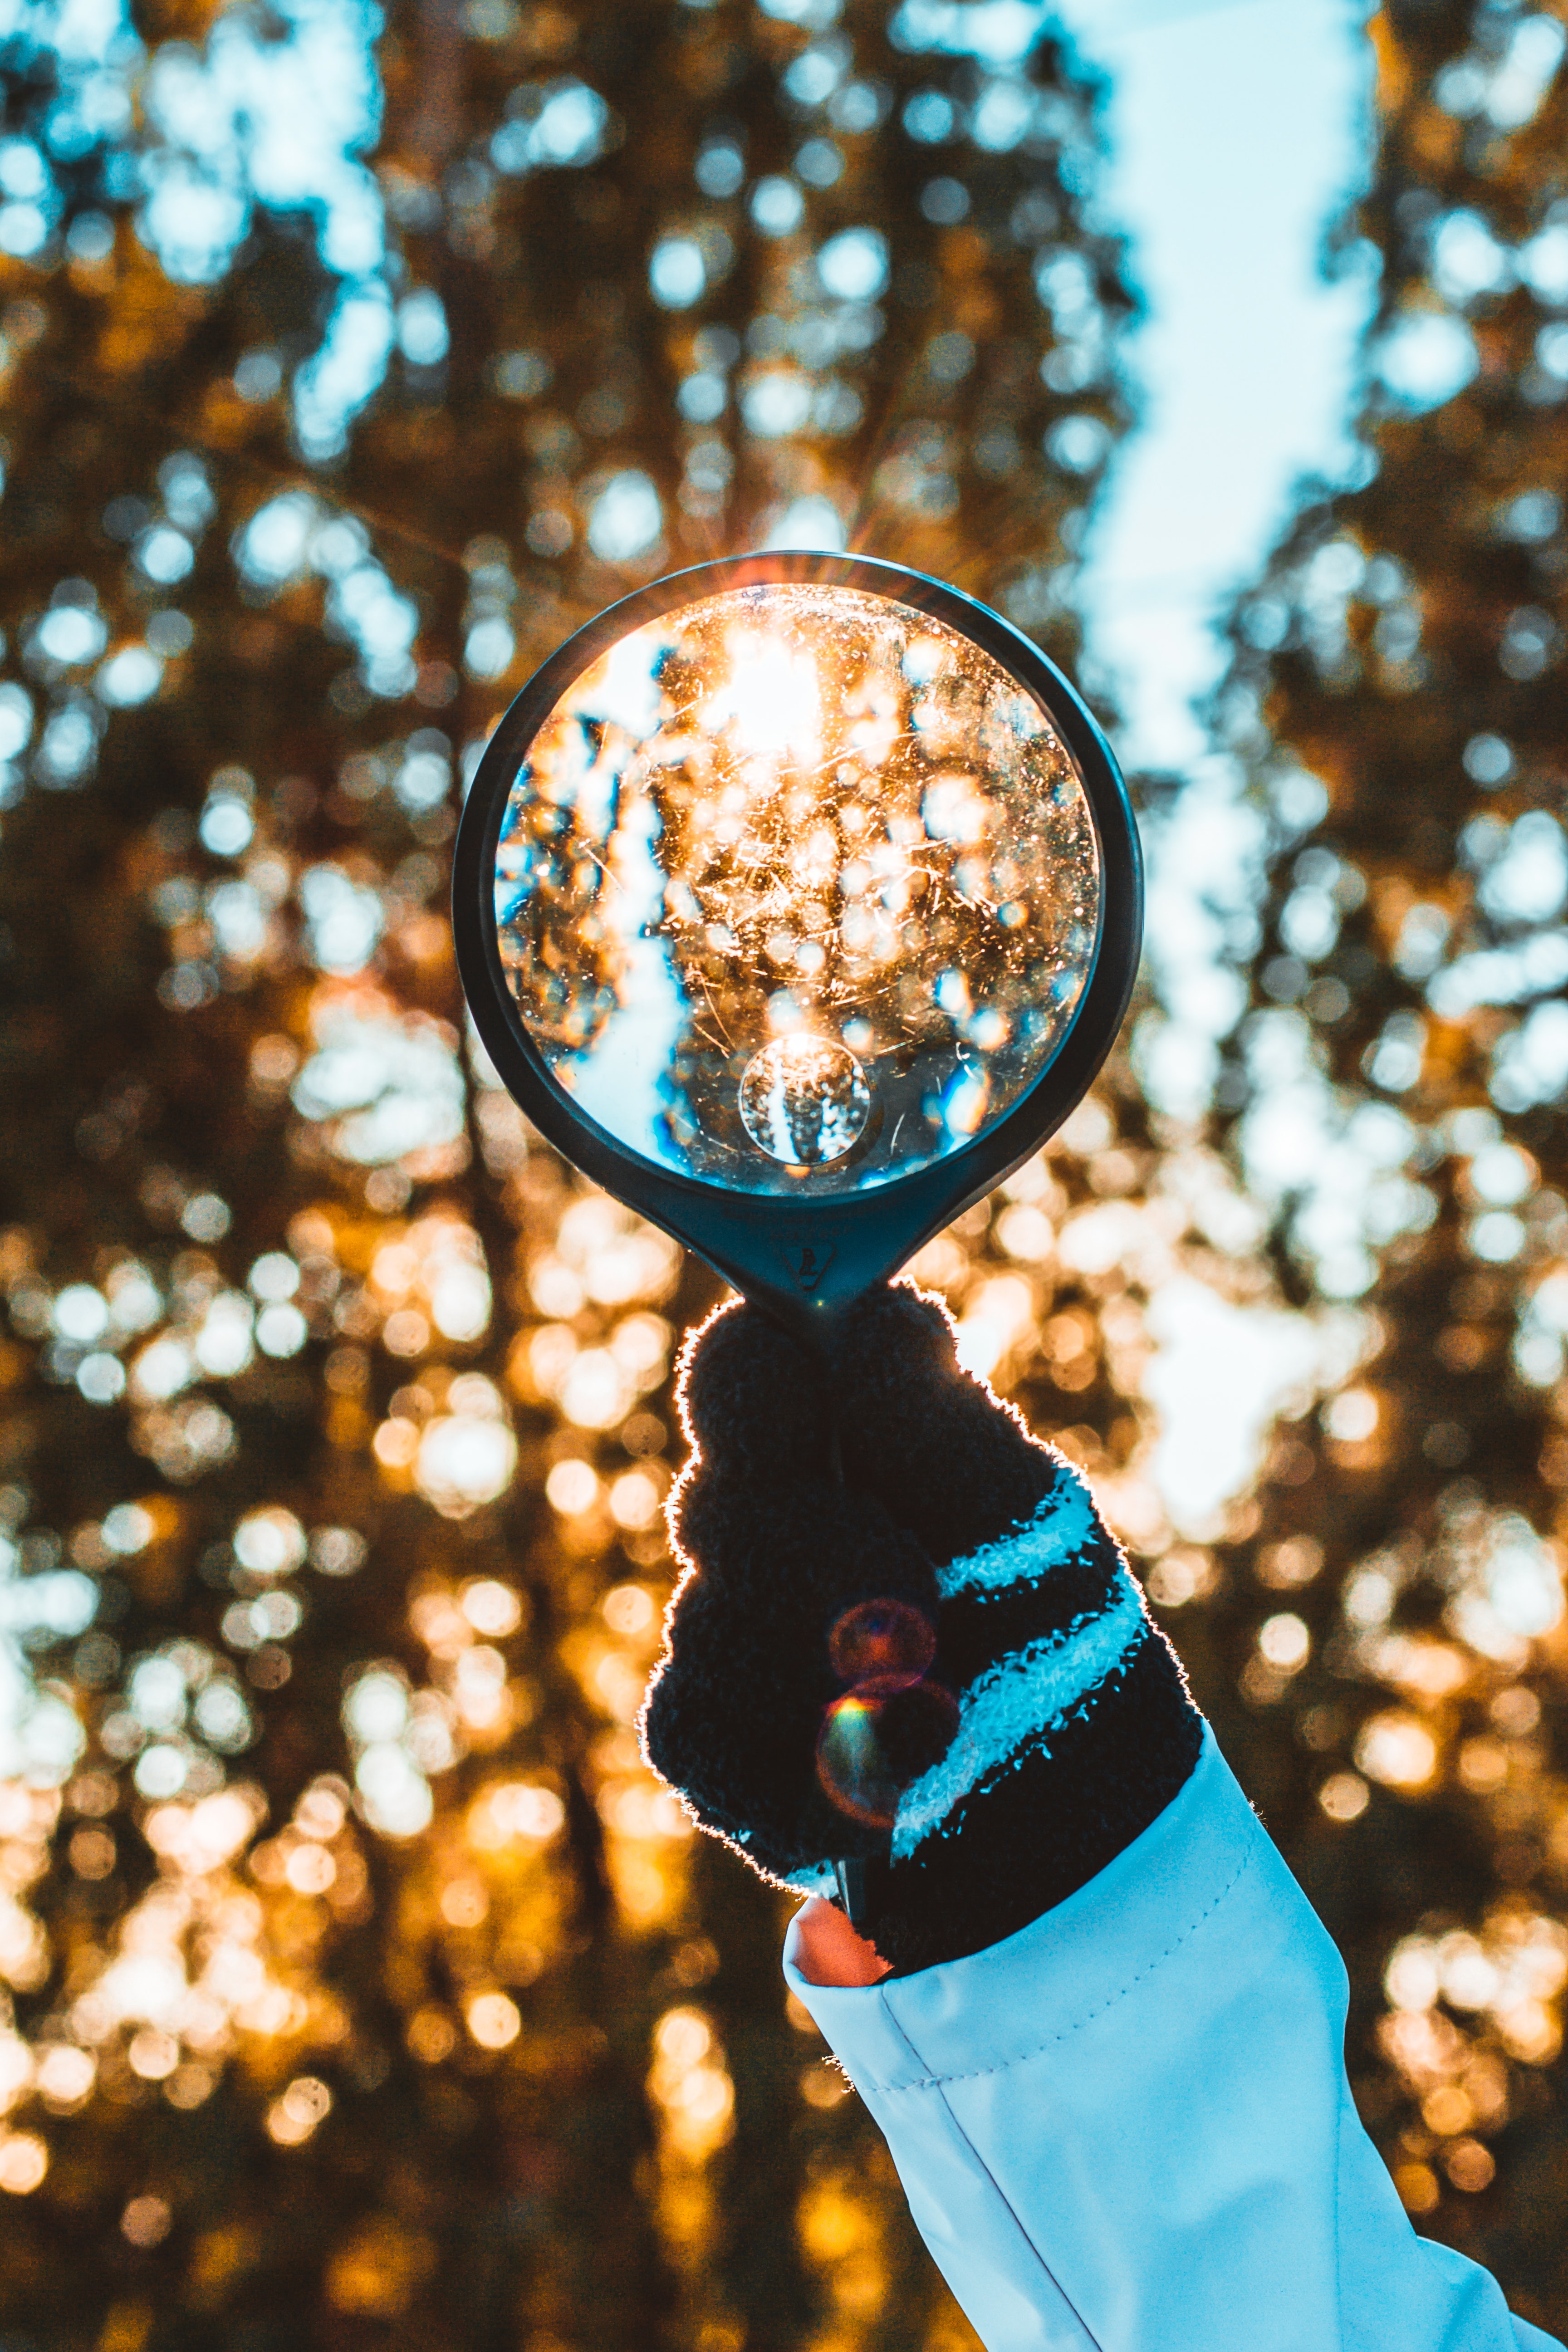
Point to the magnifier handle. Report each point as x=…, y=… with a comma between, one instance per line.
x=855, y=1876
x=853, y=1898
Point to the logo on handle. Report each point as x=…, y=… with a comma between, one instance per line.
x=808, y=1261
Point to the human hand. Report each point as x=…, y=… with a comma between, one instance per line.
x=1074, y=1725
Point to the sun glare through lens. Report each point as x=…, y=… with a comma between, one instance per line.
x=797, y=889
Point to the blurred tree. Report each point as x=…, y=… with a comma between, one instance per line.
x=1388, y=1663
x=361, y=1977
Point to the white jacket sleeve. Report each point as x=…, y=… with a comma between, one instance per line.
x=1128, y=2127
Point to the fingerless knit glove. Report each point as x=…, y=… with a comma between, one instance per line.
x=1075, y=1728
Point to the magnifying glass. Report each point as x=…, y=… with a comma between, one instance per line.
x=797, y=900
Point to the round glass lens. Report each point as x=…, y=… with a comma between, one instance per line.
x=796, y=890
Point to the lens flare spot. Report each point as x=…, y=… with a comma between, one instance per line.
x=886, y=1644
x=873, y=1744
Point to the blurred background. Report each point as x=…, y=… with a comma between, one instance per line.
x=360, y=1984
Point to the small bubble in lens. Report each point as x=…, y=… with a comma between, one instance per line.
x=804, y=1099
x=872, y=1745
x=887, y=1643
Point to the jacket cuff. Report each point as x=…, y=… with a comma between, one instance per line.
x=1127, y=2126
x=1090, y=1950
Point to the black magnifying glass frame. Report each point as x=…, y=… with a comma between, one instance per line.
x=803, y=1262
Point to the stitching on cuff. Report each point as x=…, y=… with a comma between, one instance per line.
x=1021, y=2057
x=1089, y=2339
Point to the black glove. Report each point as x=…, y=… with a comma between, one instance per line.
x=1075, y=1728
